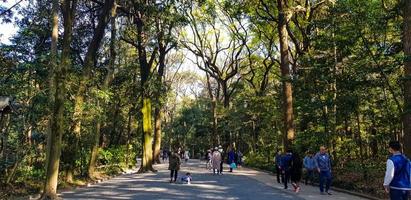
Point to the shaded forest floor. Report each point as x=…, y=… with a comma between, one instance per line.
x=33, y=187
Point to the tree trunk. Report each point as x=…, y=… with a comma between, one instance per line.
x=158, y=111
x=145, y=69
x=147, y=160
x=215, y=138
x=87, y=68
x=407, y=80
x=289, y=132
x=128, y=136
x=225, y=94
x=94, y=150
x=58, y=90
x=158, y=114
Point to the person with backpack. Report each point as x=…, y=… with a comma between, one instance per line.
x=397, y=176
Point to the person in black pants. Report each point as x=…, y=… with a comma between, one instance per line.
x=174, y=163
x=286, y=167
x=277, y=161
x=220, y=149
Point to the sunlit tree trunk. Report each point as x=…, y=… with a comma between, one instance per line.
x=158, y=111
x=215, y=137
x=289, y=132
x=407, y=80
x=53, y=149
x=145, y=69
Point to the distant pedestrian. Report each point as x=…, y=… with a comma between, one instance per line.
x=231, y=159
x=286, y=167
x=174, y=165
x=220, y=149
x=323, y=165
x=309, y=166
x=216, y=160
x=296, y=171
x=397, y=176
x=240, y=158
x=165, y=154
x=278, y=170
x=208, y=158
x=186, y=155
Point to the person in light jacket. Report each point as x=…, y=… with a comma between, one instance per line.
x=323, y=165
x=309, y=166
x=216, y=161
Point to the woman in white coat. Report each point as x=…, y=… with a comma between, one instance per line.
x=216, y=160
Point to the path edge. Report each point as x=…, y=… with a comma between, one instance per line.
x=333, y=188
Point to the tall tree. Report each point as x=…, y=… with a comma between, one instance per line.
x=58, y=90
x=283, y=18
x=89, y=61
x=407, y=79
x=107, y=80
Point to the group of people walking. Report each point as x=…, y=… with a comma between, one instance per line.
x=215, y=159
x=289, y=167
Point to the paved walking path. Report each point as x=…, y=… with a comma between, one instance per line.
x=242, y=184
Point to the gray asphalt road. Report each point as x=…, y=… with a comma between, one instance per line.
x=204, y=186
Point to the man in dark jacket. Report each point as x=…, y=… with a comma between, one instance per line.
x=397, y=176
x=286, y=167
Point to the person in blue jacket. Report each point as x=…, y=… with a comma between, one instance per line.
x=231, y=158
x=277, y=161
x=286, y=167
x=309, y=165
x=323, y=165
x=397, y=176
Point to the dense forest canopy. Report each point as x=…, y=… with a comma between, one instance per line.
x=95, y=84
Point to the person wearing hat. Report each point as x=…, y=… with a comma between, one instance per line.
x=216, y=161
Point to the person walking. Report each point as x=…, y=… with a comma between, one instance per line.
x=397, y=176
x=216, y=161
x=208, y=158
x=174, y=163
x=286, y=167
x=277, y=161
x=309, y=166
x=231, y=159
x=165, y=154
x=323, y=165
x=296, y=171
x=240, y=158
x=220, y=149
x=186, y=155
